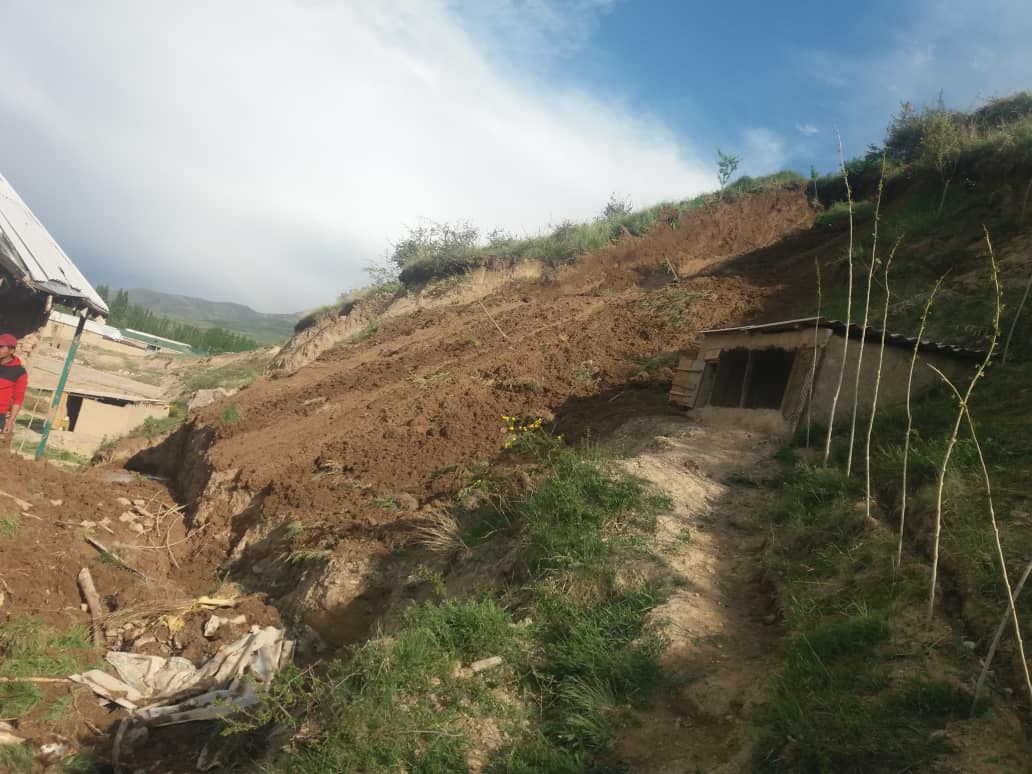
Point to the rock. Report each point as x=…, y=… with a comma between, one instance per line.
x=212, y=626
x=968, y=644
x=138, y=528
x=124, y=501
x=127, y=517
x=51, y=752
x=139, y=502
x=485, y=664
x=147, y=640
x=56, y=503
x=87, y=524
x=203, y=398
x=7, y=735
x=407, y=502
x=239, y=620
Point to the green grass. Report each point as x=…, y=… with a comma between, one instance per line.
x=8, y=525
x=663, y=360
x=231, y=414
x=837, y=703
x=70, y=459
x=231, y=376
x=29, y=648
x=577, y=646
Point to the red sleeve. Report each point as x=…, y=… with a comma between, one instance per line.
x=18, y=394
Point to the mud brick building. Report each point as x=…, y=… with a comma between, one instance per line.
x=773, y=375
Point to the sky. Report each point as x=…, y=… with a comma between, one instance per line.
x=266, y=151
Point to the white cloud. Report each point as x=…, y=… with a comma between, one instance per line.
x=263, y=151
x=763, y=151
x=969, y=51
x=808, y=129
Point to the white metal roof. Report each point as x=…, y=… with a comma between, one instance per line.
x=28, y=250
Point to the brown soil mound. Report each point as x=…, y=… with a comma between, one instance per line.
x=309, y=483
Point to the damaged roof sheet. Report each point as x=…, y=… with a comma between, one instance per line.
x=28, y=250
x=856, y=332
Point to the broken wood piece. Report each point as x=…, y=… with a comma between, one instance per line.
x=89, y=593
x=23, y=504
x=34, y=680
x=489, y=317
x=114, y=557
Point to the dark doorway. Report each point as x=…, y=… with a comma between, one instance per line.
x=770, y=371
x=74, y=407
x=727, y=385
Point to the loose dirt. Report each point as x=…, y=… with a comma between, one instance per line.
x=360, y=444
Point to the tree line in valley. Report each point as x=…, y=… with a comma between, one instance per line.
x=124, y=314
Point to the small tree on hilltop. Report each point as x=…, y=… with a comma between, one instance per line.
x=940, y=146
x=726, y=166
x=615, y=208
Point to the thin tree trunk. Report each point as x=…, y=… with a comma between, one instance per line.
x=877, y=383
x=849, y=307
x=1014, y=322
x=813, y=367
x=910, y=414
x=965, y=411
x=1024, y=201
x=1004, y=619
x=956, y=429
x=863, y=328
x=942, y=201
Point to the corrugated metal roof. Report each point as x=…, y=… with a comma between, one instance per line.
x=27, y=248
x=856, y=332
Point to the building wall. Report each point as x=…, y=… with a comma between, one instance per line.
x=893, y=388
x=104, y=419
x=59, y=336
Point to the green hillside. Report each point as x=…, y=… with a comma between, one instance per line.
x=266, y=328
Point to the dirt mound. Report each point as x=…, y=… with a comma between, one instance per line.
x=309, y=483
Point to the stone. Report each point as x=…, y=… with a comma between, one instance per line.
x=970, y=645
x=127, y=517
x=485, y=664
x=139, y=529
x=204, y=398
x=124, y=501
x=212, y=626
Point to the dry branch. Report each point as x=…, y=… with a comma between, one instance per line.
x=89, y=593
x=813, y=367
x=1014, y=322
x=1004, y=619
x=956, y=428
x=863, y=327
x=1013, y=610
x=849, y=306
x=877, y=382
x=114, y=557
x=489, y=317
x=34, y=680
x=910, y=414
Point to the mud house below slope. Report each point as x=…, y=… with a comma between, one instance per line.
x=762, y=374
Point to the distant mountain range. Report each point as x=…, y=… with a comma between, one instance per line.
x=266, y=328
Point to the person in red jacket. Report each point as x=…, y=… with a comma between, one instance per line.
x=13, y=381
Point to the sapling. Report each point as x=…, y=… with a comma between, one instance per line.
x=956, y=426
x=726, y=166
x=813, y=366
x=863, y=327
x=1000, y=628
x=1014, y=322
x=877, y=383
x=966, y=413
x=910, y=414
x=849, y=306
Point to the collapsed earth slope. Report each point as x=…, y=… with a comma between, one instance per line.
x=339, y=461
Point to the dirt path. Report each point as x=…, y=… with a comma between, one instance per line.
x=721, y=617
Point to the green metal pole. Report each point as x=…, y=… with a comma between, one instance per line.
x=59, y=391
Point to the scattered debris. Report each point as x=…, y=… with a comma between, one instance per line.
x=89, y=593
x=167, y=691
